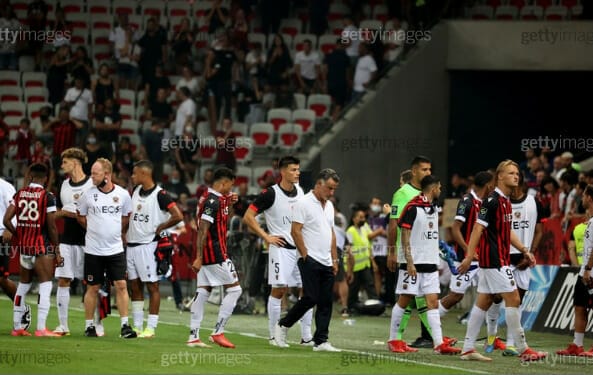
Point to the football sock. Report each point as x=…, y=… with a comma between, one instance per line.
x=44, y=303
x=63, y=301
x=226, y=308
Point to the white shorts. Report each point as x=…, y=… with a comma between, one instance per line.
x=495, y=280
x=421, y=285
x=282, y=268
x=461, y=282
x=141, y=263
x=27, y=261
x=73, y=267
x=217, y=274
x=522, y=277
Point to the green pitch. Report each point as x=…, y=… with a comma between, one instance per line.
x=363, y=343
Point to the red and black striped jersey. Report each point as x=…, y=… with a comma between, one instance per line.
x=32, y=204
x=467, y=213
x=214, y=208
x=496, y=214
x=64, y=135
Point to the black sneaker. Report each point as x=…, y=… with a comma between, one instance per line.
x=127, y=332
x=422, y=343
x=90, y=331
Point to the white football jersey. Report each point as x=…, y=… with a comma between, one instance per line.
x=7, y=192
x=146, y=216
x=524, y=221
x=278, y=216
x=588, y=247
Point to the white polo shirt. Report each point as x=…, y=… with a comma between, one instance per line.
x=318, y=224
x=7, y=192
x=80, y=109
x=186, y=109
x=307, y=64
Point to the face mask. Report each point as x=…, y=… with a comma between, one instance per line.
x=189, y=129
x=360, y=223
x=91, y=141
x=175, y=180
x=375, y=208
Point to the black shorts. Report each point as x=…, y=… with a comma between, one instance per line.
x=5, y=252
x=381, y=261
x=95, y=268
x=341, y=273
x=581, y=295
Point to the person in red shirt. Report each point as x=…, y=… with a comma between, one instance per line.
x=24, y=141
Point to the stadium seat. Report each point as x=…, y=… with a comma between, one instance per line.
x=287, y=40
x=304, y=118
x=299, y=41
x=320, y=103
x=13, y=108
x=544, y=3
x=127, y=97
x=240, y=129
x=13, y=121
x=33, y=79
x=180, y=8
x=289, y=137
x=336, y=27
x=79, y=37
x=175, y=23
x=70, y=7
x=207, y=149
x=129, y=127
x=576, y=11
x=278, y=116
x=127, y=112
x=300, y=100
x=371, y=24
x=135, y=141
x=152, y=8
x=9, y=78
x=570, y=3
x=101, y=21
x=292, y=26
x=124, y=6
x=34, y=107
x=135, y=21
x=243, y=175
x=262, y=134
x=36, y=95
x=556, y=13
x=27, y=63
x=380, y=12
x=243, y=150
x=531, y=13
x=337, y=11
x=257, y=37
x=201, y=8
x=481, y=12
x=78, y=20
x=11, y=94
x=506, y=12
x=101, y=52
x=95, y=7
x=327, y=43
x=518, y=3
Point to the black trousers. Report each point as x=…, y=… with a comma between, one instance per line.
x=318, y=282
x=362, y=279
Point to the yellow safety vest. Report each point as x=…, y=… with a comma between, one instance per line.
x=579, y=240
x=361, y=247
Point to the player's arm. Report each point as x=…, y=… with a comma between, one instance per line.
x=166, y=202
x=202, y=234
x=461, y=216
x=334, y=252
x=515, y=241
x=474, y=239
x=572, y=251
x=81, y=212
x=457, y=236
x=349, y=264
x=539, y=227
x=407, y=247
x=261, y=203
x=588, y=263
x=81, y=220
x=391, y=247
x=7, y=221
x=125, y=223
x=376, y=233
x=296, y=231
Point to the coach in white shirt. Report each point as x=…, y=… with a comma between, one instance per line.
x=315, y=240
x=104, y=211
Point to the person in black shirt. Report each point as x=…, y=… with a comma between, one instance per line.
x=217, y=17
x=108, y=122
x=94, y=150
x=154, y=49
x=160, y=112
x=337, y=77
x=175, y=187
x=156, y=82
x=151, y=142
x=82, y=66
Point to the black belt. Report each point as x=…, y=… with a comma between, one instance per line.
x=135, y=244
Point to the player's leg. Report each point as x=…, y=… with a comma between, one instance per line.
x=477, y=316
x=279, y=289
x=580, y=303
x=94, y=267
x=522, y=281
x=228, y=278
x=149, y=276
x=44, y=268
x=23, y=287
x=324, y=308
x=116, y=271
x=492, y=316
x=353, y=289
x=378, y=273
x=7, y=285
x=64, y=273
x=197, y=307
x=294, y=279
x=406, y=288
x=134, y=268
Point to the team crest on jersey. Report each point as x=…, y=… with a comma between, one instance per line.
x=89, y=278
x=518, y=214
x=139, y=207
x=483, y=211
x=76, y=196
x=405, y=286
x=95, y=196
x=512, y=282
x=461, y=208
x=430, y=224
x=115, y=199
x=393, y=210
x=208, y=211
x=211, y=200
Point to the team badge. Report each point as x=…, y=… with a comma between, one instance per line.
x=211, y=200
x=89, y=278
x=459, y=283
x=405, y=286
x=430, y=224
x=76, y=196
x=393, y=210
x=115, y=199
x=95, y=196
x=512, y=282
x=139, y=207
x=518, y=214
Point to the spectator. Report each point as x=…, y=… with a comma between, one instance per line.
x=154, y=50
x=318, y=10
x=270, y=176
x=557, y=168
x=217, y=17
x=129, y=56
x=181, y=44
x=186, y=113
x=94, y=150
x=535, y=165
x=306, y=68
x=37, y=21
x=338, y=78
x=239, y=30
x=220, y=69
x=568, y=159
x=57, y=73
x=24, y=141
x=81, y=66
x=64, y=132
x=124, y=158
x=279, y=64
x=458, y=186
x=207, y=181
x=104, y=87
x=568, y=182
x=108, y=123
x=186, y=155
x=351, y=36
x=152, y=141
x=160, y=112
x=255, y=63
x=62, y=25
x=188, y=80
x=395, y=42
x=549, y=197
x=156, y=82
x=80, y=101
x=8, y=50
x=225, y=146
x=175, y=187
x=365, y=72
x=41, y=124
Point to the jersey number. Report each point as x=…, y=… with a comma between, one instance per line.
x=509, y=273
x=409, y=279
x=465, y=277
x=231, y=266
x=29, y=210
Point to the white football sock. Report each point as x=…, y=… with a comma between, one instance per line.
x=476, y=318
x=274, y=310
x=514, y=329
x=19, y=304
x=434, y=321
x=197, y=310
x=63, y=301
x=442, y=310
x=396, y=318
x=138, y=314
x=226, y=308
x=153, y=321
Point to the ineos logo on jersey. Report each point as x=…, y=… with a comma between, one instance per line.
x=145, y=218
x=286, y=220
x=523, y=224
x=430, y=235
x=107, y=209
